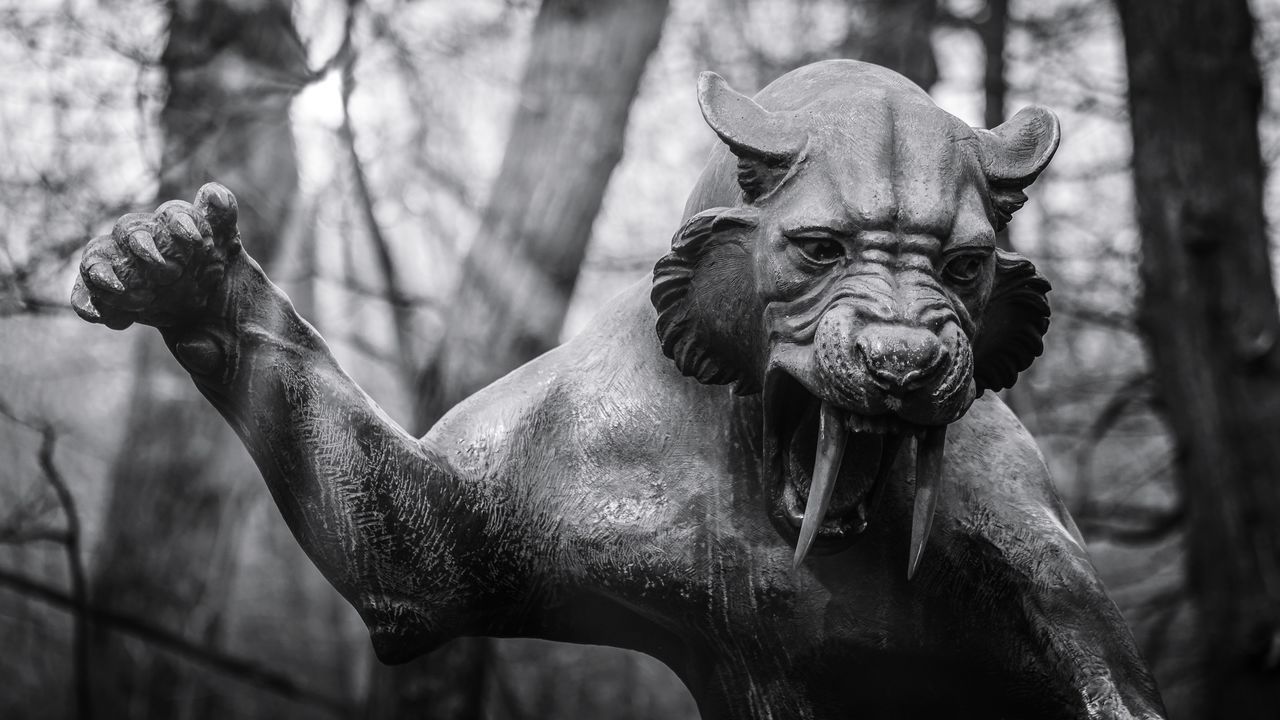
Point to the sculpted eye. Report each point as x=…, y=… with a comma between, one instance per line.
x=821, y=250
x=964, y=269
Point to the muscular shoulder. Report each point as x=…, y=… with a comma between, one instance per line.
x=991, y=440
x=607, y=396
x=596, y=442
x=996, y=470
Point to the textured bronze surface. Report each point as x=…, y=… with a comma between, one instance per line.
x=835, y=276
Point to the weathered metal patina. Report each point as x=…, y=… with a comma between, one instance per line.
x=796, y=494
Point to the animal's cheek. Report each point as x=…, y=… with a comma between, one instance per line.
x=794, y=319
x=953, y=336
x=968, y=305
x=781, y=279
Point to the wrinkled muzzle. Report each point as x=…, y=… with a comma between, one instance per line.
x=879, y=386
x=894, y=372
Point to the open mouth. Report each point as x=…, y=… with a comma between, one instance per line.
x=829, y=466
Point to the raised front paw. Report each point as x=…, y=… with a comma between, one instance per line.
x=162, y=269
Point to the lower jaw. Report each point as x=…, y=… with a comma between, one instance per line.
x=843, y=487
x=844, y=523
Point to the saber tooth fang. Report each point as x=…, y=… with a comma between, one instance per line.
x=832, y=438
x=928, y=472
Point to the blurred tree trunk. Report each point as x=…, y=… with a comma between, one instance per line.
x=896, y=34
x=584, y=69
x=993, y=29
x=1210, y=317
x=178, y=496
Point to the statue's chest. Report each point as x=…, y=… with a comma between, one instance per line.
x=727, y=577
x=754, y=623
x=713, y=582
x=693, y=548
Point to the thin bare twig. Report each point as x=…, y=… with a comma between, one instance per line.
x=235, y=667
x=86, y=614
x=401, y=318
x=386, y=31
x=1163, y=608
x=1118, y=523
x=355, y=287
x=75, y=568
x=70, y=541
x=25, y=536
x=342, y=56
x=1094, y=316
x=362, y=345
x=1107, y=418
x=1139, y=527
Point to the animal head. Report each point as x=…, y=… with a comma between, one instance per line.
x=838, y=255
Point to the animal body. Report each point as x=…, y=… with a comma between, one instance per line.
x=775, y=465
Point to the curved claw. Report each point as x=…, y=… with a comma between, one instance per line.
x=82, y=303
x=928, y=473
x=181, y=224
x=832, y=438
x=103, y=277
x=142, y=245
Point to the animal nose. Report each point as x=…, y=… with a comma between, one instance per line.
x=900, y=359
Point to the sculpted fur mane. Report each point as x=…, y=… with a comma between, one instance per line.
x=1011, y=336
x=695, y=289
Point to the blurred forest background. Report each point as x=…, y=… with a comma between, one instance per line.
x=396, y=161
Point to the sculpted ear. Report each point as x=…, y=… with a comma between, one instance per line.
x=704, y=292
x=1013, y=155
x=1011, y=334
x=767, y=144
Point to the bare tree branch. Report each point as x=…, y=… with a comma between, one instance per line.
x=236, y=667
x=342, y=56
x=1133, y=526
x=75, y=568
x=1118, y=524
x=27, y=536
x=1094, y=316
x=70, y=540
x=401, y=319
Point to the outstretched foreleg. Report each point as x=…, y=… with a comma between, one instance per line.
x=422, y=554
x=1042, y=613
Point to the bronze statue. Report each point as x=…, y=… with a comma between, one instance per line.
x=797, y=494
